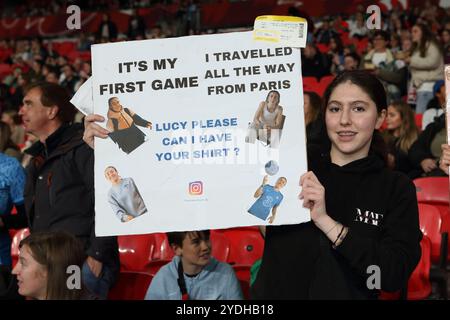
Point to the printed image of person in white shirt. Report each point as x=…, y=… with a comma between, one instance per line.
x=124, y=196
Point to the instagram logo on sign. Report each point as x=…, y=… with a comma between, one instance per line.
x=196, y=188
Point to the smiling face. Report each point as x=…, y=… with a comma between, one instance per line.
x=195, y=252
x=31, y=276
x=351, y=117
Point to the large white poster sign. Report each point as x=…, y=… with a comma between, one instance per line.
x=207, y=132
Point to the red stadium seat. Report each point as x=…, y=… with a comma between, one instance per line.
x=383, y=126
x=243, y=274
x=247, y=245
x=130, y=286
x=361, y=45
x=135, y=251
x=324, y=83
x=319, y=87
x=389, y=295
x=242, y=271
x=419, y=286
x=220, y=245
x=418, y=117
x=5, y=69
x=323, y=47
x=310, y=84
x=18, y=236
x=245, y=287
x=163, y=250
x=430, y=224
x=64, y=48
x=433, y=190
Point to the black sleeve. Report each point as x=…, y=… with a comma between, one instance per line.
x=137, y=119
x=100, y=248
x=397, y=251
x=16, y=221
x=393, y=76
x=420, y=149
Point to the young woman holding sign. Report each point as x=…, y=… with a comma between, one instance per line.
x=364, y=231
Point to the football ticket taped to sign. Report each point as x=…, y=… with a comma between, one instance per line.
x=284, y=30
x=206, y=132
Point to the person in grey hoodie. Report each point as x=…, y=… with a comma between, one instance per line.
x=124, y=196
x=193, y=274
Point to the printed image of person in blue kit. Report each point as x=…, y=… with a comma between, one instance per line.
x=269, y=197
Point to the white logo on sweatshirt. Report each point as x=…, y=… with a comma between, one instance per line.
x=368, y=217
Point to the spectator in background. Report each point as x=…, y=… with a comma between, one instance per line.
x=70, y=79
x=43, y=268
x=59, y=156
x=324, y=33
x=107, y=29
x=156, y=32
x=335, y=54
x=314, y=63
x=426, y=65
x=84, y=44
x=136, y=27
x=358, y=27
x=12, y=182
x=12, y=119
x=426, y=151
x=35, y=73
x=52, y=77
x=382, y=63
x=436, y=105
x=7, y=146
x=339, y=25
x=445, y=42
x=351, y=62
x=193, y=274
x=395, y=43
x=401, y=133
x=315, y=128
x=38, y=50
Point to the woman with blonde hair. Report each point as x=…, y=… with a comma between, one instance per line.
x=401, y=133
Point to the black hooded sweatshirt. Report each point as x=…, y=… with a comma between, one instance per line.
x=380, y=208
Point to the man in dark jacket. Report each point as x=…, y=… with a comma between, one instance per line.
x=59, y=191
x=314, y=63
